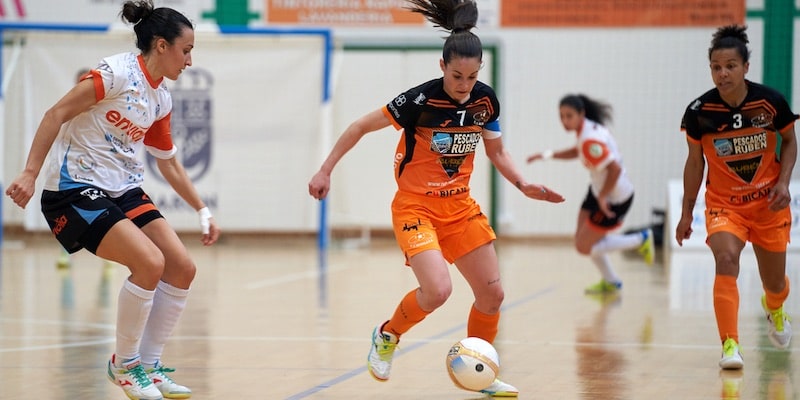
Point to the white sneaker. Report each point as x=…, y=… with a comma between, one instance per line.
x=499, y=388
x=779, y=329
x=132, y=378
x=168, y=388
x=379, y=360
x=731, y=356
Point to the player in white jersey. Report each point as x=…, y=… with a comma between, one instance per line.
x=92, y=198
x=610, y=192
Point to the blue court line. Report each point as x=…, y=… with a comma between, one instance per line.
x=355, y=372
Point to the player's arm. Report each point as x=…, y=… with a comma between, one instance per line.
x=692, y=179
x=779, y=196
x=77, y=100
x=613, y=171
x=501, y=159
x=174, y=173
x=320, y=183
x=565, y=154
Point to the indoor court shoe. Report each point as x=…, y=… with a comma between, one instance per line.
x=379, y=360
x=499, y=388
x=132, y=378
x=731, y=356
x=779, y=330
x=604, y=287
x=647, y=249
x=168, y=388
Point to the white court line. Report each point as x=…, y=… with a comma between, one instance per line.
x=289, y=278
x=87, y=343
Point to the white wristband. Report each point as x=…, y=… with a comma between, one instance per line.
x=547, y=154
x=205, y=215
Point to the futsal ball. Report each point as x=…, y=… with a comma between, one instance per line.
x=473, y=364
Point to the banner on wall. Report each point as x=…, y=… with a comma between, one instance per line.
x=238, y=126
x=341, y=12
x=613, y=13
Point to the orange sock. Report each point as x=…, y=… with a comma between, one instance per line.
x=482, y=325
x=407, y=314
x=775, y=300
x=726, y=307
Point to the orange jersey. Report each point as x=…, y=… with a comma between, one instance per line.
x=434, y=156
x=741, y=145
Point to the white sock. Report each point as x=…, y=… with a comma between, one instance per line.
x=602, y=263
x=133, y=308
x=618, y=242
x=168, y=305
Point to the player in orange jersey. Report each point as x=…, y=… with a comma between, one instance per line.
x=436, y=221
x=610, y=192
x=743, y=132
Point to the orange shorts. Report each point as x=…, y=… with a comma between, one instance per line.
x=453, y=225
x=760, y=226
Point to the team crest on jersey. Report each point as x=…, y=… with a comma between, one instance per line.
x=762, y=120
x=420, y=100
x=480, y=118
x=192, y=111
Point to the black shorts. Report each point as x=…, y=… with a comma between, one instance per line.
x=80, y=218
x=597, y=218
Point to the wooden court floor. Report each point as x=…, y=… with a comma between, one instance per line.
x=267, y=321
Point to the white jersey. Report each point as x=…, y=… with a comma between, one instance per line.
x=101, y=147
x=596, y=149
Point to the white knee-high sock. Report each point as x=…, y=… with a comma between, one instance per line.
x=602, y=263
x=168, y=305
x=618, y=242
x=133, y=309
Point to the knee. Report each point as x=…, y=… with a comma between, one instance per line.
x=727, y=263
x=494, y=298
x=149, y=269
x=433, y=298
x=180, y=273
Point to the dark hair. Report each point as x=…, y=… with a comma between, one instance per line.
x=457, y=17
x=151, y=23
x=594, y=110
x=731, y=37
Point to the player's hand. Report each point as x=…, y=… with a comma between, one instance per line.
x=208, y=227
x=540, y=192
x=602, y=203
x=779, y=197
x=684, y=229
x=21, y=189
x=534, y=157
x=545, y=155
x=319, y=185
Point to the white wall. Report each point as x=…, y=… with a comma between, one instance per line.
x=649, y=76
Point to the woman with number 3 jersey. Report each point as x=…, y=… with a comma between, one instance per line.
x=744, y=133
x=436, y=221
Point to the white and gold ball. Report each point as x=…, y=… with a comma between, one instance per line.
x=473, y=364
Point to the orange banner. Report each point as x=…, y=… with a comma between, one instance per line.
x=620, y=13
x=341, y=12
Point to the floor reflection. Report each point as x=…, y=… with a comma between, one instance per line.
x=601, y=368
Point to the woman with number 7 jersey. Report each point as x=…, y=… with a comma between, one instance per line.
x=435, y=219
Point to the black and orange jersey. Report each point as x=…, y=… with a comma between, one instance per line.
x=741, y=145
x=435, y=154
